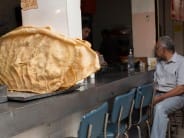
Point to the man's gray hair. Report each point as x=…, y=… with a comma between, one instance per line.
x=167, y=43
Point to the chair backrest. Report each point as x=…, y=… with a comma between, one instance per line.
x=123, y=101
x=145, y=93
x=95, y=121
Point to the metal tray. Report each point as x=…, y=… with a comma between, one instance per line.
x=26, y=96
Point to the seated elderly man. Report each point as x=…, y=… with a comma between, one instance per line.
x=169, y=83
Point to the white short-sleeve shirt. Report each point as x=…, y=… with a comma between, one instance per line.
x=169, y=74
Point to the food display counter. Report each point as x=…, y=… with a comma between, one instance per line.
x=59, y=116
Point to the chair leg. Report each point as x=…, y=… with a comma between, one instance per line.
x=105, y=125
x=89, y=131
x=183, y=118
x=148, y=126
x=117, y=135
x=119, y=121
x=139, y=131
x=175, y=123
x=126, y=135
x=169, y=129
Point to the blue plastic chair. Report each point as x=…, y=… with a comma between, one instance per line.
x=143, y=106
x=94, y=123
x=120, y=120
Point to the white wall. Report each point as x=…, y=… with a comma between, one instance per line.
x=109, y=14
x=140, y=6
x=63, y=16
x=143, y=27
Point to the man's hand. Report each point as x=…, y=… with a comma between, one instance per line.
x=178, y=90
x=157, y=99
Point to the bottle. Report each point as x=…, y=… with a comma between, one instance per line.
x=142, y=66
x=131, y=68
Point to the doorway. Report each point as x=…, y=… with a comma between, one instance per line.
x=168, y=26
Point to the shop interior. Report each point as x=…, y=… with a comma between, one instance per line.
x=110, y=23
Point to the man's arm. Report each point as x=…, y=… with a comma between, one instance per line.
x=178, y=90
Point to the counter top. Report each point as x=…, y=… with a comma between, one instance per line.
x=16, y=117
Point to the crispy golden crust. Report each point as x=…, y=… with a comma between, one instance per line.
x=41, y=61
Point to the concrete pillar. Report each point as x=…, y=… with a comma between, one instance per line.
x=143, y=27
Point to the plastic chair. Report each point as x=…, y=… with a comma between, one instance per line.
x=143, y=107
x=94, y=123
x=120, y=120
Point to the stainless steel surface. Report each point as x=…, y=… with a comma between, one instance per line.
x=25, y=96
x=18, y=117
x=3, y=93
